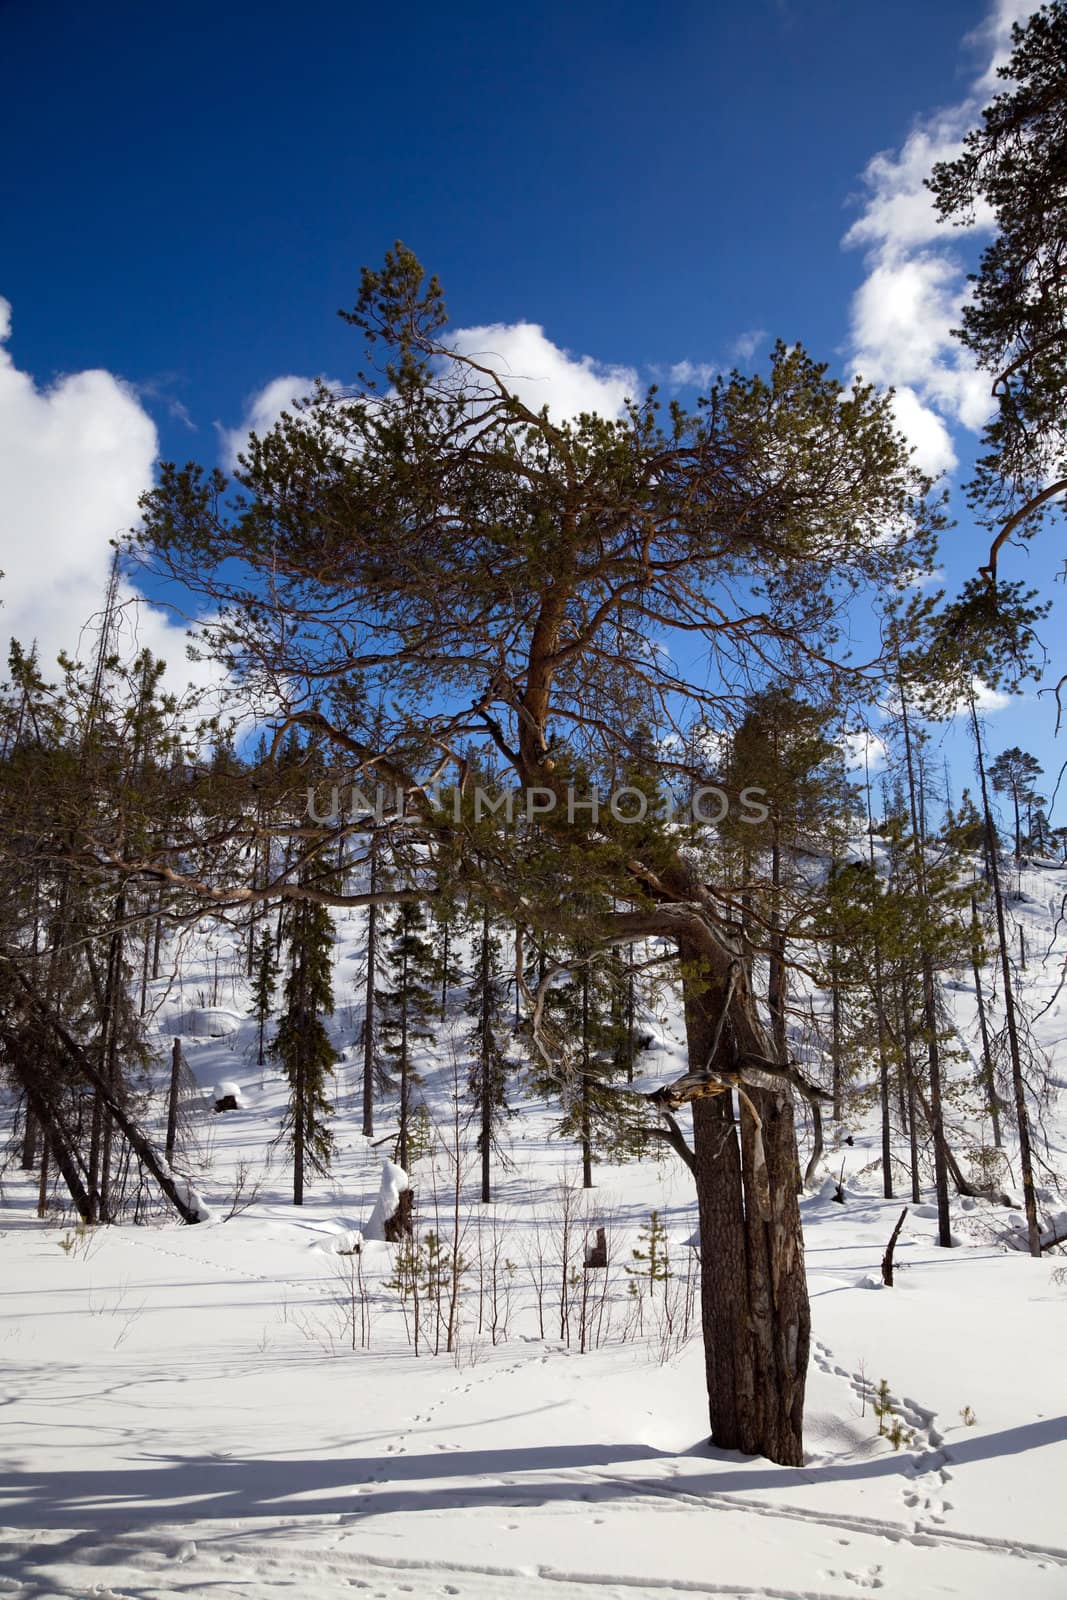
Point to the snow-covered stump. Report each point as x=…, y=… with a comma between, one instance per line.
x=391, y=1218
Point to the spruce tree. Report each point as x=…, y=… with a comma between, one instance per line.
x=264, y=982
x=488, y=1073
x=302, y=1043
x=408, y=1006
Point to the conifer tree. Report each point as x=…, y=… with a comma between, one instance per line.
x=1015, y=772
x=488, y=1073
x=302, y=1043
x=264, y=982
x=1013, y=322
x=509, y=574
x=408, y=1006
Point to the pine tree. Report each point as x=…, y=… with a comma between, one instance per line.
x=407, y=1007
x=782, y=747
x=264, y=982
x=488, y=1073
x=302, y=1044
x=586, y=1017
x=1013, y=322
x=1015, y=772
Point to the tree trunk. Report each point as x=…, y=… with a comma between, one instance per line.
x=1026, y=1164
x=835, y=1035
x=988, y=1071
x=28, y=1159
x=402, y=1152
x=368, y=1009
x=944, y=1218
x=587, y=1143
x=887, y=1259
x=913, y=1128
x=172, y=1099
x=754, y=1301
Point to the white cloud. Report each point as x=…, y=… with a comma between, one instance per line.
x=537, y=370
x=925, y=431
x=864, y=751
x=690, y=374
x=74, y=459
x=261, y=413
x=916, y=579
x=904, y=311
x=744, y=347
x=986, y=700
x=541, y=374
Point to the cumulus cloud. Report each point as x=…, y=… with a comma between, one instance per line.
x=903, y=313
x=74, y=459
x=541, y=374
x=986, y=700
x=537, y=370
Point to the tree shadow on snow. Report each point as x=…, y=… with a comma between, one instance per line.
x=131, y=1500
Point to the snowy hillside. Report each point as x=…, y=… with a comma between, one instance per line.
x=237, y=1409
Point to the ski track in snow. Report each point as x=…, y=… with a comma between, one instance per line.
x=566, y=1514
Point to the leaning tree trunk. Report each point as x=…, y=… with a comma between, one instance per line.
x=754, y=1300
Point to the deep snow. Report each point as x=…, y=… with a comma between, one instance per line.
x=183, y=1412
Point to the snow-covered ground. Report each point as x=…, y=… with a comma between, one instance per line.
x=205, y=1411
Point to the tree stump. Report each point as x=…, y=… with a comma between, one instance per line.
x=399, y=1225
x=596, y=1255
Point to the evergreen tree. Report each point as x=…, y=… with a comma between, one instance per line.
x=408, y=1006
x=1014, y=322
x=264, y=982
x=1015, y=772
x=488, y=1074
x=302, y=1044
x=782, y=747
x=511, y=571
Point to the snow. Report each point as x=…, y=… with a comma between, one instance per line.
x=393, y=1184
x=199, y=1411
x=208, y=1023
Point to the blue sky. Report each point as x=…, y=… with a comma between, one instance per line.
x=188, y=194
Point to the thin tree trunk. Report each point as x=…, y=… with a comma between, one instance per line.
x=835, y=1036
x=776, y=973
x=988, y=1070
x=879, y=1005
x=371, y=992
x=42, y=1187
x=1026, y=1165
x=944, y=1218
x=913, y=1127
x=172, y=1099
x=587, y=1144
x=402, y=1152
x=887, y=1259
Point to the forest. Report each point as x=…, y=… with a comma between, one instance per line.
x=551, y=888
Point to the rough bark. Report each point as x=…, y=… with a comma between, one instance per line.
x=754, y=1302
